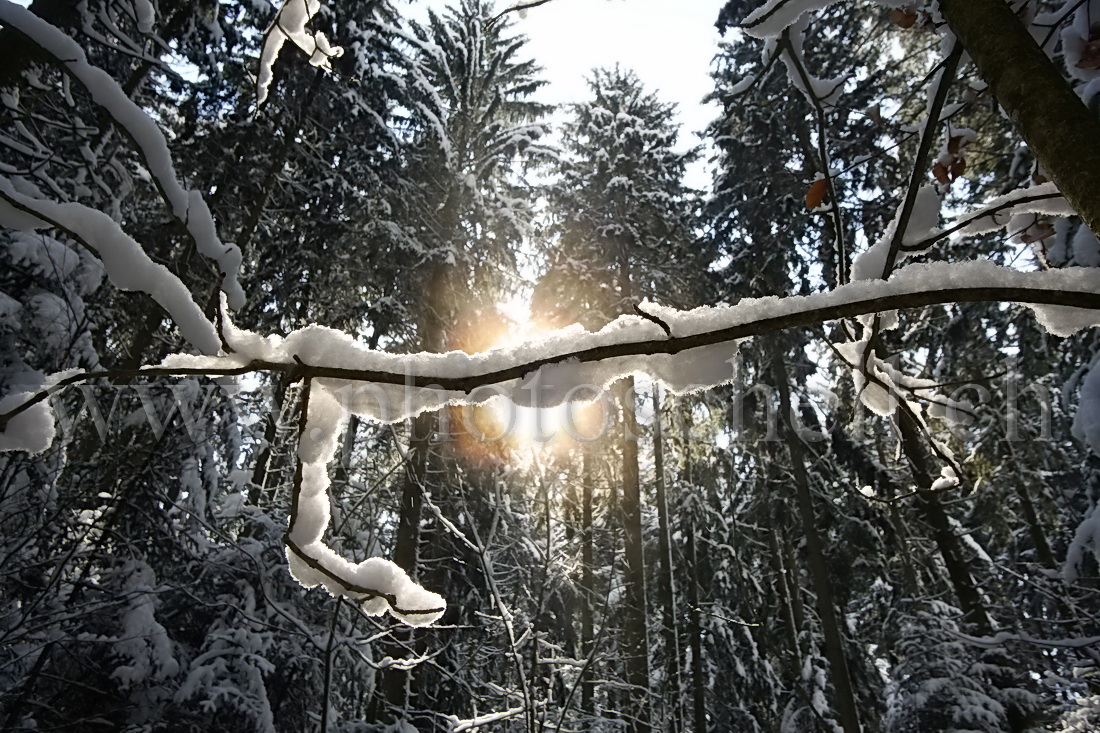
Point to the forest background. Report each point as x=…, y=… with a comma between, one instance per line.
x=880, y=514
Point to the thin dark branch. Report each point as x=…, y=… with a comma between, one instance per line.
x=515, y=9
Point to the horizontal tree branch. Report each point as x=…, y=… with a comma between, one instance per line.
x=1082, y=299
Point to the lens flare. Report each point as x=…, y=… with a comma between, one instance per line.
x=498, y=429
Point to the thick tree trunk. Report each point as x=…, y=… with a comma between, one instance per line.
x=1052, y=119
x=815, y=558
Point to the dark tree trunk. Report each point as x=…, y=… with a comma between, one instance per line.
x=665, y=588
x=588, y=581
x=815, y=558
x=635, y=640
x=1052, y=119
x=698, y=671
x=947, y=542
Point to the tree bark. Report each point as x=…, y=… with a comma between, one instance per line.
x=635, y=640
x=588, y=580
x=1052, y=119
x=698, y=671
x=784, y=600
x=815, y=557
x=947, y=542
x=665, y=589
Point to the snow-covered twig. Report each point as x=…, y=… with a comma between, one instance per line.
x=517, y=8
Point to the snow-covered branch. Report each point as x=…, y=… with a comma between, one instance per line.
x=551, y=370
x=294, y=23
x=187, y=206
x=127, y=264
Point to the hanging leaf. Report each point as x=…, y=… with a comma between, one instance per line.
x=816, y=195
x=958, y=167
x=903, y=17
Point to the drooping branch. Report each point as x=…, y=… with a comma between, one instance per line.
x=187, y=206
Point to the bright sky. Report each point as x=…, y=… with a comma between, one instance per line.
x=668, y=43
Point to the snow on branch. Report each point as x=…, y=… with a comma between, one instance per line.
x=378, y=585
x=998, y=213
x=187, y=206
x=686, y=350
x=775, y=16
x=127, y=264
x=293, y=22
x=565, y=365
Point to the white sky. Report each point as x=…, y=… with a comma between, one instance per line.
x=668, y=43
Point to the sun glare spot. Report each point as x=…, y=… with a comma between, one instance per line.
x=503, y=428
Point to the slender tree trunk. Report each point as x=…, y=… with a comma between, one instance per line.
x=909, y=573
x=947, y=542
x=665, y=587
x=1038, y=534
x=635, y=640
x=698, y=671
x=588, y=579
x=330, y=649
x=1058, y=127
x=257, y=485
x=794, y=587
x=786, y=608
x=406, y=553
x=815, y=558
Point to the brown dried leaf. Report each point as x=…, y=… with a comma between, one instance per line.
x=1090, y=57
x=815, y=196
x=903, y=17
x=1037, y=232
x=958, y=167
